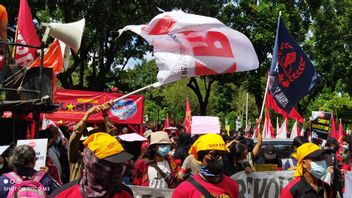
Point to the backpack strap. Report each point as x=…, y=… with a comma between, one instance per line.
x=14, y=176
x=38, y=176
x=200, y=188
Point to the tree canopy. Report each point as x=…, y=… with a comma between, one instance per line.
x=321, y=27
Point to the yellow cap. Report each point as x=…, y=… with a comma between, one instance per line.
x=207, y=142
x=105, y=146
x=302, y=152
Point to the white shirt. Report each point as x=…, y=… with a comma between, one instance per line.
x=155, y=179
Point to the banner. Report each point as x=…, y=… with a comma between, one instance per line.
x=348, y=182
x=320, y=124
x=187, y=45
x=144, y=192
x=73, y=104
x=40, y=148
x=205, y=125
x=262, y=184
x=292, y=75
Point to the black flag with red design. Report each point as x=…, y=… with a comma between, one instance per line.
x=292, y=75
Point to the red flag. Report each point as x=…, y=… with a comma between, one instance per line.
x=340, y=134
x=333, y=127
x=167, y=122
x=271, y=103
x=188, y=117
x=26, y=34
x=53, y=58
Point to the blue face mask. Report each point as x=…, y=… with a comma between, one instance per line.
x=318, y=169
x=345, y=147
x=163, y=150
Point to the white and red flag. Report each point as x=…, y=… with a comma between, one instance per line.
x=295, y=132
x=282, y=131
x=268, y=130
x=187, y=45
x=25, y=34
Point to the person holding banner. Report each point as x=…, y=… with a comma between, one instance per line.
x=311, y=167
x=208, y=150
x=75, y=156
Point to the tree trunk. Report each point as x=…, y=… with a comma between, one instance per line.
x=203, y=103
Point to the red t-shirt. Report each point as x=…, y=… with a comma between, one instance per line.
x=74, y=192
x=227, y=188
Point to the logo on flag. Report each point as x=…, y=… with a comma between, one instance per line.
x=187, y=45
x=292, y=75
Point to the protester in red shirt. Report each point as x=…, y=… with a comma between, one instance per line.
x=208, y=150
x=103, y=159
x=311, y=167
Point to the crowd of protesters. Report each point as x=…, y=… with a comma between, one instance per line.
x=94, y=162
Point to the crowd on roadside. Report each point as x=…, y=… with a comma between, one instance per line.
x=94, y=162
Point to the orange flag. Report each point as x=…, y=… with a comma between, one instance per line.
x=167, y=122
x=53, y=58
x=340, y=134
x=188, y=117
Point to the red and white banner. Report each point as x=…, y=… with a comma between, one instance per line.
x=187, y=45
x=26, y=34
x=74, y=103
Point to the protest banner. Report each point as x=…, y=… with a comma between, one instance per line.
x=205, y=125
x=73, y=104
x=266, y=184
x=348, y=182
x=320, y=124
x=131, y=137
x=40, y=148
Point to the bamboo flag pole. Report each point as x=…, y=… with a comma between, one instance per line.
x=267, y=82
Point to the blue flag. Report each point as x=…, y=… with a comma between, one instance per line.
x=292, y=75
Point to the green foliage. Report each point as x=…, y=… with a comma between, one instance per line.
x=322, y=27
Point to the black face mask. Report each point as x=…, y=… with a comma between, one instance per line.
x=215, y=167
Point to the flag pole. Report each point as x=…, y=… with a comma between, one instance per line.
x=136, y=91
x=264, y=99
x=246, y=109
x=267, y=83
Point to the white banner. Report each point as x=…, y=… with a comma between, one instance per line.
x=187, y=45
x=262, y=184
x=205, y=125
x=348, y=184
x=40, y=147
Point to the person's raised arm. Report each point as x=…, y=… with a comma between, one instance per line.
x=109, y=125
x=73, y=147
x=256, y=149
